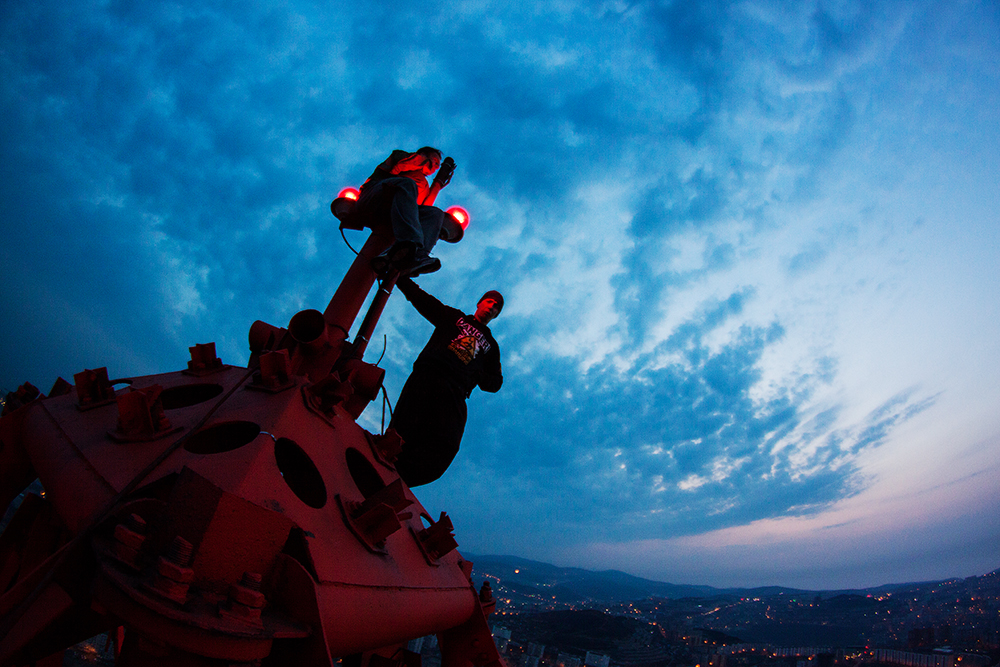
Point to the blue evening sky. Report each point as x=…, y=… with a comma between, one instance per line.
x=749, y=251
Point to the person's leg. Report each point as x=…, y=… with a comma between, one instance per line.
x=431, y=220
x=393, y=201
x=415, y=228
x=404, y=214
x=430, y=418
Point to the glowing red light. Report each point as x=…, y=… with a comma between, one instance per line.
x=349, y=193
x=459, y=214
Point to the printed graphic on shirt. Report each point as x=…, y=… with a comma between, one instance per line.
x=469, y=342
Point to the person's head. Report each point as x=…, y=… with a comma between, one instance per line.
x=489, y=306
x=432, y=159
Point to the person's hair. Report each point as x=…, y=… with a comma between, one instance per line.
x=430, y=150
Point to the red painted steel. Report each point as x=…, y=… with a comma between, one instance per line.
x=222, y=515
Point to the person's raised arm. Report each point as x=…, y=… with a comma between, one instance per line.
x=433, y=310
x=442, y=179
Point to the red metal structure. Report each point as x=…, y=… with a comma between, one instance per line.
x=221, y=515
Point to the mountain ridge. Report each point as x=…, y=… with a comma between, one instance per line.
x=574, y=583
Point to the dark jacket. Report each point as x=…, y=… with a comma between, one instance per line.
x=397, y=165
x=384, y=170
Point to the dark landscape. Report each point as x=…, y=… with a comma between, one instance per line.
x=580, y=611
x=550, y=616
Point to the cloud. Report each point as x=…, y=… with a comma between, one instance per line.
x=673, y=444
x=700, y=214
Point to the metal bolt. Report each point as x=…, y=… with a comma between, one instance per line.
x=129, y=537
x=171, y=589
x=245, y=601
x=174, y=572
x=131, y=532
x=180, y=551
x=136, y=523
x=247, y=592
x=240, y=612
x=173, y=576
x=251, y=580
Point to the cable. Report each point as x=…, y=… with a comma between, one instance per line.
x=338, y=326
x=344, y=236
x=385, y=342
x=385, y=401
x=388, y=402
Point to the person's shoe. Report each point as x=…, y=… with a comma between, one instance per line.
x=419, y=266
x=400, y=253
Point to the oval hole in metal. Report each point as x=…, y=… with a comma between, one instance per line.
x=224, y=437
x=300, y=473
x=187, y=395
x=365, y=477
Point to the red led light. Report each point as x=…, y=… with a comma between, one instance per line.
x=459, y=214
x=349, y=193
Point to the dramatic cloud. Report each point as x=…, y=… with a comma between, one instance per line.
x=748, y=248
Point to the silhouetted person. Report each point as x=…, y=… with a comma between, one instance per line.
x=460, y=356
x=398, y=189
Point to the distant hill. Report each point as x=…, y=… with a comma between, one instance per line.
x=570, y=584
x=533, y=579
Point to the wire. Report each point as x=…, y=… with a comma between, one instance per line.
x=385, y=401
x=344, y=236
x=337, y=326
x=385, y=342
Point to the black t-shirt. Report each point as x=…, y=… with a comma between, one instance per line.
x=461, y=349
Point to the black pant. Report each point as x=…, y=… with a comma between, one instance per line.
x=396, y=199
x=430, y=417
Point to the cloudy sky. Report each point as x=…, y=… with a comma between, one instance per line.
x=749, y=251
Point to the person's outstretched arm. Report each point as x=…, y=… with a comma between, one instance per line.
x=433, y=310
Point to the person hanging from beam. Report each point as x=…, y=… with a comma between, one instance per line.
x=460, y=356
